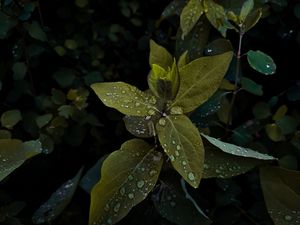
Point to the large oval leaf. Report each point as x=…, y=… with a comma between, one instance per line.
x=261, y=62
x=57, y=202
x=13, y=154
x=200, y=79
x=190, y=15
x=182, y=143
x=160, y=56
x=281, y=189
x=125, y=98
x=237, y=150
x=127, y=177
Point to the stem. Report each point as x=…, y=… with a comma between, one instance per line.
x=237, y=77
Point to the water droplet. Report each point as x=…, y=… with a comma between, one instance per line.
x=288, y=217
x=117, y=207
x=151, y=112
x=137, y=104
x=191, y=176
x=206, y=166
x=176, y=110
x=178, y=147
x=140, y=184
x=177, y=153
x=130, y=177
x=106, y=207
x=130, y=196
x=173, y=204
x=184, y=163
x=109, y=221
x=268, y=65
x=172, y=158
x=162, y=122
x=152, y=172
x=122, y=191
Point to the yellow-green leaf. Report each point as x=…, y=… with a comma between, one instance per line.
x=125, y=98
x=281, y=111
x=246, y=9
x=127, y=177
x=181, y=141
x=13, y=154
x=251, y=20
x=160, y=56
x=200, y=79
x=10, y=118
x=281, y=189
x=190, y=15
x=183, y=59
x=274, y=132
x=223, y=165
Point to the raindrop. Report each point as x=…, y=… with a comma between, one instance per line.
x=130, y=196
x=152, y=172
x=288, y=217
x=117, y=207
x=162, y=122
x=268, y=65
x=184, y=163
x=172, y=158
x=191, y=176
x=151, y=112
x=122, y=191
x=130, y=177
x=140, y=184
x=106, y=207
x=137, y=104
x=178, y=147
x=109, y=221
x=177, y=110
x=177, y=153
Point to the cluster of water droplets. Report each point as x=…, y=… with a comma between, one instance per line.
x=292, y=217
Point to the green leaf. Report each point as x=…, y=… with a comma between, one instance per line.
x=34, y=29
x=183, y=59
x=64, y=77
x=287, y=124
x=6, y=24
x=274, y=132
x=218, y=46
x=174, y=8
x=237, y=150
x=13, y=154
x=190, y=16
x=20, y=70
x=172, y=203
x=200, y=79
x=297, y=10
x=181, y=141
x=261, y=62
x=252, y=87
x=251, y=20
x=223, y=165
x=127, y=177
x=57, y=202
x=93, y=77
x=10, y=118
x=261, y=110
x=125, y=98
x=281, y=111
x=216, y=15
x=66, y=111
x=246, y=9
x=43, y=120
x=5, y=134
x=160, y=56
x=281, y=189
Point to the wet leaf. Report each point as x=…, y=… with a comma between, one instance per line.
x=246, y=9
x=171, y=202
x=216, y=15
x=274, y=132
x=200, y=79
x=57, y=202
x=141, y=126
x=261, y=62
x=47, y=143
x=92, y=176
x=20, y=70
x=281, y=111
x=13, y=154
x=181, y=141
x=223, y=165
x=261, y=110
x=251, y=20
x=125, y=98
x=224, y=111
x=127, y=177
x=252, y=87
x=174, y=8
x=237, y=150
x=218, y=46
x=281, y=189
x=190, y=16
x=160, y=56
x=43, y=120
x=34, y=29
x=10, y=118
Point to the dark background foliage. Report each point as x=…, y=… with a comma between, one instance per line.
x=81, y=42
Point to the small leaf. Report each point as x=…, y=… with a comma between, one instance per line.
x=13, y=154
x=93, y=77
x=58, y=97
x=66, y=111
x=287, y=124
x=237, y=150
x=223, y=165
x=58, y=201
x=281, y=111
x=174, y=8
x=274, y=132
x=43, y=120
x=261, y=62
x=160, y=56
x=261, y=110
x=10, y=118
x=251, y=20
x=5, y=134
x=181, y=141
x=171, y=202
x=246, y=9
x=183, y=59
x=190, y=16
x=20, y=70
x=127, y=177
x=224, y=112
x=218, y=46
x=64, y=77
x=125, y=98
x=27, y=11
x=6, y=24
x=35, y=31
x=281, y=189
x=252, y=87
x=200, y=79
